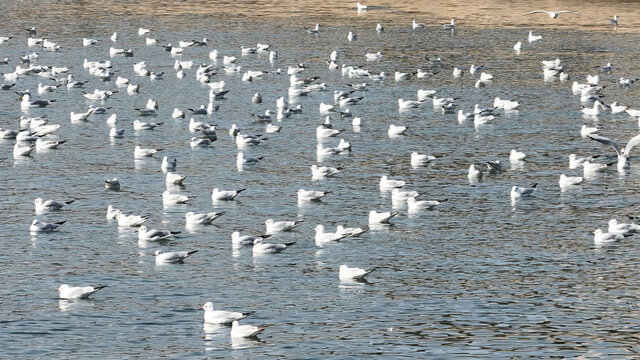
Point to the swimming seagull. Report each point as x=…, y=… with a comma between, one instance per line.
x=517, y=155
x=172, y=199
x=417, y=205
x=192, y=218
x=43, y=206
x=417, y=25
x=41, y=226
x=217, y=195
x=553, y=14
x=613, y=21
x=323, y=237
x=245, y=331
x=130, y=220
x=222, y=317
x=311, y=195
x=568, y=181
x=279, y=226
x=346, y=273
x=389, y=184
x=174, y=179
x=269, y=248
x=323, y=172
x=154, y=234
x=600, y=237
x=77, y=292
x=622, y=228
x=314, y=31
x=112, y=184
x=475, y=173
x=380, y=217
x=172, y=257
x=623, y=154
x=450, y=26
x=420, y=159
x=533, y=38
x=521, y=191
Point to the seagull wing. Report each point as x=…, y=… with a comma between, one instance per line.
x=633, y=142
x=538, y=11
x=568, y=12
x=609, y=142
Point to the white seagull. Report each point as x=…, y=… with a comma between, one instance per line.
x=43, y=206
x=553, y=14
x=172, y=257
x=623, y=154
x=154, y=234
x=522, y=191
x=349, y=274
x=278, y=226
x=222, y=317
x=192, y=218
x=245, y=331
x=225, y=194
x=77, y=292
x=41, y=226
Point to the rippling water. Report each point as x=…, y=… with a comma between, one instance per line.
x=476, y=278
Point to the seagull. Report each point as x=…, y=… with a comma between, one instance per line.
x=311, y=195
x=323, y=172
x=77, y=292
x=568, y=181
x=380, y=217
x=112, y=184
x=450, y=26
x=591, y=168
x=172, y=257
x=613, y=21
x=600, y=237
x=361, y=7
x=349, y=274
x=533, y=38
x=351, y=232
x=521, y=191
x=154, y=234
x=43, y=206
x=323, y=237
x=129, y=220
x=623, y=154
x=141, y=125
x=622, y=228
x=314, y=31
x=575, y=161
x=475, y=174
x=169, y=164
x=245, y=331
x=41, y=226
x=140, y=152
x=269, y=248
x=517, y=155
x=241, y=160
x=415, y=205
x=192, y=218
x=553, y=14
x=278, y=226
x=112, y=212
x=225, y=194
x=417, y=25
x=420, y=159
x=588, y=130
x=388, y=184
x=396, y=130
x=222, y=317
x=172, y=199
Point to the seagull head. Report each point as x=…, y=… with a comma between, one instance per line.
x=157, y=252
x=62, y=287
x=207, y=307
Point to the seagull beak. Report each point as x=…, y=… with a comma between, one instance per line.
x=201, y=307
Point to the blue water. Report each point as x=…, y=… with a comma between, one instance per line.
x=478, y=277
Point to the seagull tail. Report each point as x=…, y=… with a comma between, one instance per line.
x=98, y=287
x=290, y=243
x=192, y=252
x=60, y=222
x=535, y=185
x=240, y=190
x=175, y=232
x=70, y=201
x=443, y=200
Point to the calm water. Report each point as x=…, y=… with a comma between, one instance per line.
x=476, y=278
